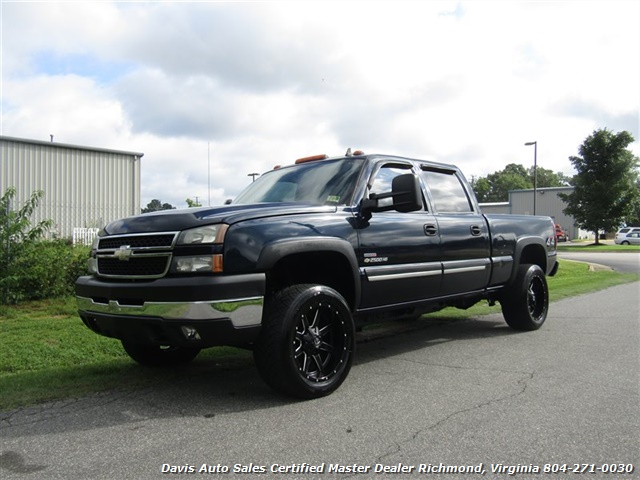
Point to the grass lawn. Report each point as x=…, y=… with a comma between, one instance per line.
x=48, y=354
x=592, y=247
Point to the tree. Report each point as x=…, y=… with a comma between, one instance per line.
x=605, y=192
x=156, y=205
x=193, y=203
x=547, y=178
x=495, y=187
x=15, y=225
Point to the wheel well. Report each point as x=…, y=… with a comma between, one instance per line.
x=324, y=268
x=534, y=254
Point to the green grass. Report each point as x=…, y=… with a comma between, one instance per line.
x=48, y=354
x=592, y=247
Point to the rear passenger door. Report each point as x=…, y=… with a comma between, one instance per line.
x=464, y=233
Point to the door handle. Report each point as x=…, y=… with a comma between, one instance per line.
x=430, y=230
x=475, y=230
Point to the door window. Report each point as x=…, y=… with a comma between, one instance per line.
x=448, y=194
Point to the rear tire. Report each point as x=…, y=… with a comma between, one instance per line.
x=526, y=303
x=159, y=356
x=307, y=341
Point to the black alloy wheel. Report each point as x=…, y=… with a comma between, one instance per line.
x=307, y=341
x=526, y=303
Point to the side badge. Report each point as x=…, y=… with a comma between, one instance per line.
x=374, y=258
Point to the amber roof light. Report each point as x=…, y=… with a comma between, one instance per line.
x=312, y=158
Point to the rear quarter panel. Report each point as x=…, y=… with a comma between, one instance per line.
x=523, y=239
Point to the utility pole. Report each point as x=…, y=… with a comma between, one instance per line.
x=535, y=172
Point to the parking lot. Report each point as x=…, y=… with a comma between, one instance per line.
x=443, y=394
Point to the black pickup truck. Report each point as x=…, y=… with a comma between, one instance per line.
x=303, y=257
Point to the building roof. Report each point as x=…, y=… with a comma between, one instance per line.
x=544, y=189
x=67, y=145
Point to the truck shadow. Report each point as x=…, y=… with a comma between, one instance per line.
x=397, y=338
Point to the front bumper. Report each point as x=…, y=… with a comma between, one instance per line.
x=189, y=311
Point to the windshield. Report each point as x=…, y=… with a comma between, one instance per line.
x=329, y=182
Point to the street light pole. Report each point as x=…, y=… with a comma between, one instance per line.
x=253, y=176
x=535, y=172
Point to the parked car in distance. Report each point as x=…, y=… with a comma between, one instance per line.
x=630, y=236
x=561, y=235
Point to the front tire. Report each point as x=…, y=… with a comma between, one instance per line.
x=307, y=341
x=525, y=305
x=159, y=356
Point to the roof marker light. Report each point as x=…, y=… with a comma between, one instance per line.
x=312, y=158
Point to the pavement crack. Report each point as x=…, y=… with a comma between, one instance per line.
x=522, y=382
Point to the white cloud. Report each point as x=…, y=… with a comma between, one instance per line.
x=262, y=83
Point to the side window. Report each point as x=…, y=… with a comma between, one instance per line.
x=447, y=192
x=382, y=180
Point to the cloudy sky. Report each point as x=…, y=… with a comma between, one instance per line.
x=233, y=88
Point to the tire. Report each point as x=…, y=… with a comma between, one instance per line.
x=625, y=243
x=159, y=356
x=307, y=341
x=525, y=305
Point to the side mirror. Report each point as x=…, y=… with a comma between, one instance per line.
x=405, y=194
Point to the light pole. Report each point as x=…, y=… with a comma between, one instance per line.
x=535, y=172
x=253, y=176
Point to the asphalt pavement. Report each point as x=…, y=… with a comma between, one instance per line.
x=466, y=396
x=625, y=262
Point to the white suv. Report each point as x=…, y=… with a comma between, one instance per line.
x=628, y=236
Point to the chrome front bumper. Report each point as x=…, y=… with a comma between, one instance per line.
x=242, y=312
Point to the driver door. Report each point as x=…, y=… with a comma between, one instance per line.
x=398, y=253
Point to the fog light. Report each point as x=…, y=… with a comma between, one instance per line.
x=191, y=333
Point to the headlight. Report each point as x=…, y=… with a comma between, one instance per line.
x=213, y=263
x=197, y=264
x=208, y=234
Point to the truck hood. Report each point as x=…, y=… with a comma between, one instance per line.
x=175, y=220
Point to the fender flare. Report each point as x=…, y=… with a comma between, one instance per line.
x=275, y=251
x=521, y=245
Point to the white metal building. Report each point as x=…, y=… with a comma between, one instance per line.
x=84, y=187
x=547, y=203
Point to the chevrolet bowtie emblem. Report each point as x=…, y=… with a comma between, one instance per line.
x=123, y=253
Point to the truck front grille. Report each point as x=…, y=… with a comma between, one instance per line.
x=138, y=241
x=135, y=267
x=137, y=256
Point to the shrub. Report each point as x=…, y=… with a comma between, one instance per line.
x=32, y=268
x=45, y=269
